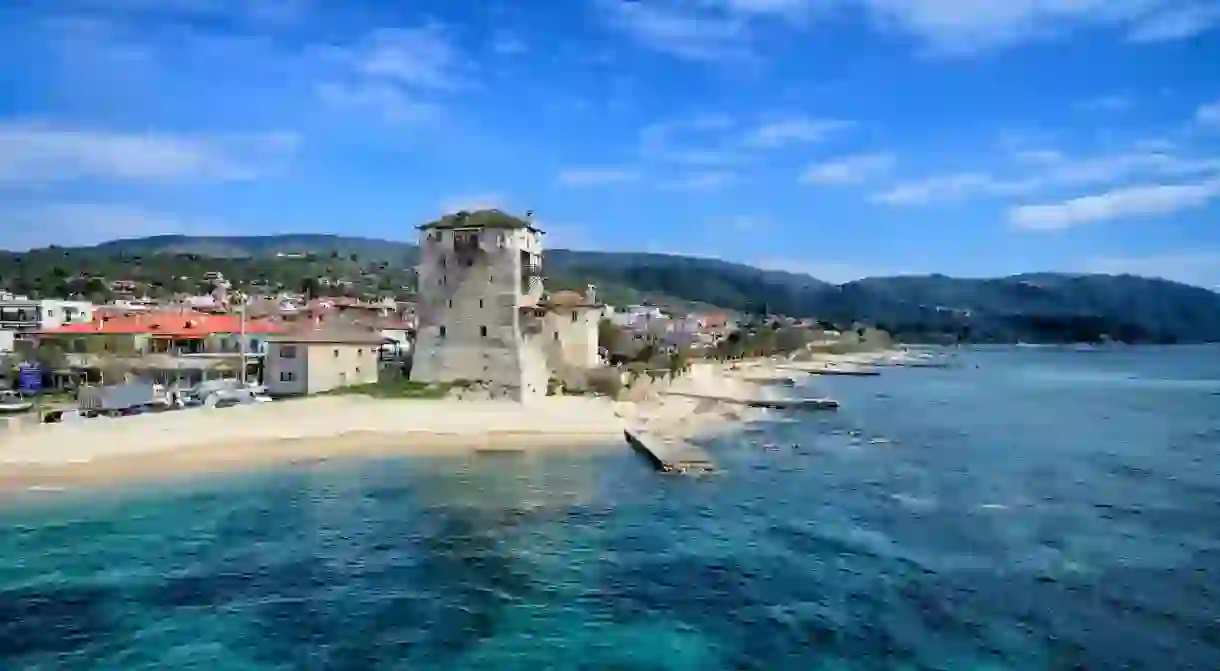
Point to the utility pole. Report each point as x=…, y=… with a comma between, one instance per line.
x=241, y=339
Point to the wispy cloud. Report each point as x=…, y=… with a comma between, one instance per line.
x=1135, y=201
x=1176, y=23
x=34, y=153
x=941, y=187
x=956, y=28
x=793, y=130
x=580, y=177
x=402, y=72
x=1051, y=169
x=421, y=57
x=695, y=31
x=849, y=169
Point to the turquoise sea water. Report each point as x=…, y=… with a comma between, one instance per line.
x=1034, y=509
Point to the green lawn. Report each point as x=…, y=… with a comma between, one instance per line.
x=398, y=388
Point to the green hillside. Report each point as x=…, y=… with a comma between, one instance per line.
x=1035, y=307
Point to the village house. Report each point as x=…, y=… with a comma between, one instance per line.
x=314, y=360
x=180, y=345
x=571, y=328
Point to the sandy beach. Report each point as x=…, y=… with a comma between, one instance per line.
x=211, y=440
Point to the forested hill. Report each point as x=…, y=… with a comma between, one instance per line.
x=1035, y=307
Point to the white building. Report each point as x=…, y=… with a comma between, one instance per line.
x=479, y=319
x=21, y=314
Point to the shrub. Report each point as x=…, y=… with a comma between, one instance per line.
x=606, y=381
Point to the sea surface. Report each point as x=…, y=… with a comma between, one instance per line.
x=1034, y=508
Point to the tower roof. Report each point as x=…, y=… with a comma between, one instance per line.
x=480, y=219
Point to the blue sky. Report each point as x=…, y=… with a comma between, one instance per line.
x=843, y=138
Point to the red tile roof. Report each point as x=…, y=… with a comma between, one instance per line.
x=172, y=324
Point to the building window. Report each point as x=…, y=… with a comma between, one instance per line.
x=575, y=317
x=480, y=303
x=483, y=331
x=336, y=352
x=442, y=331
x=288, y=351
x=555, y=335
x=287, y=376
x=450, y=302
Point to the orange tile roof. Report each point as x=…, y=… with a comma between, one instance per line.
x=171, y=324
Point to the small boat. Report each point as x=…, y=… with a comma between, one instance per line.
x=12, y=402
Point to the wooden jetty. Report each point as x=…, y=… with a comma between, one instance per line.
x=771, y=403
x=671, y=455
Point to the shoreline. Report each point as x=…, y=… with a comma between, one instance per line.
x=206, y=461
x=183, y=444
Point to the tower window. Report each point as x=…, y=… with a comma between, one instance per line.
x=480, y=302
x=483, y=331
x=575, y=317
x=442, y=331
x=450, y=302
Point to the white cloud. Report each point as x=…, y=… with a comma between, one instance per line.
x=1177, y=23
x=793, y=130
x=849, y=169
x=401, y=72
x=943, y=187
x=1208, y=115
x=1135, y=201
x=697, y=32
x=1052, y=170
x=708, y=30
x=953, y=26
x=34, y=153
x=596, y=176
x=421, y=57
x=78, y=224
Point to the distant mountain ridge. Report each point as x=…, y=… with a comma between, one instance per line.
x=1034, y=306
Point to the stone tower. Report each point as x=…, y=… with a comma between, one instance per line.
x=480, y=280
